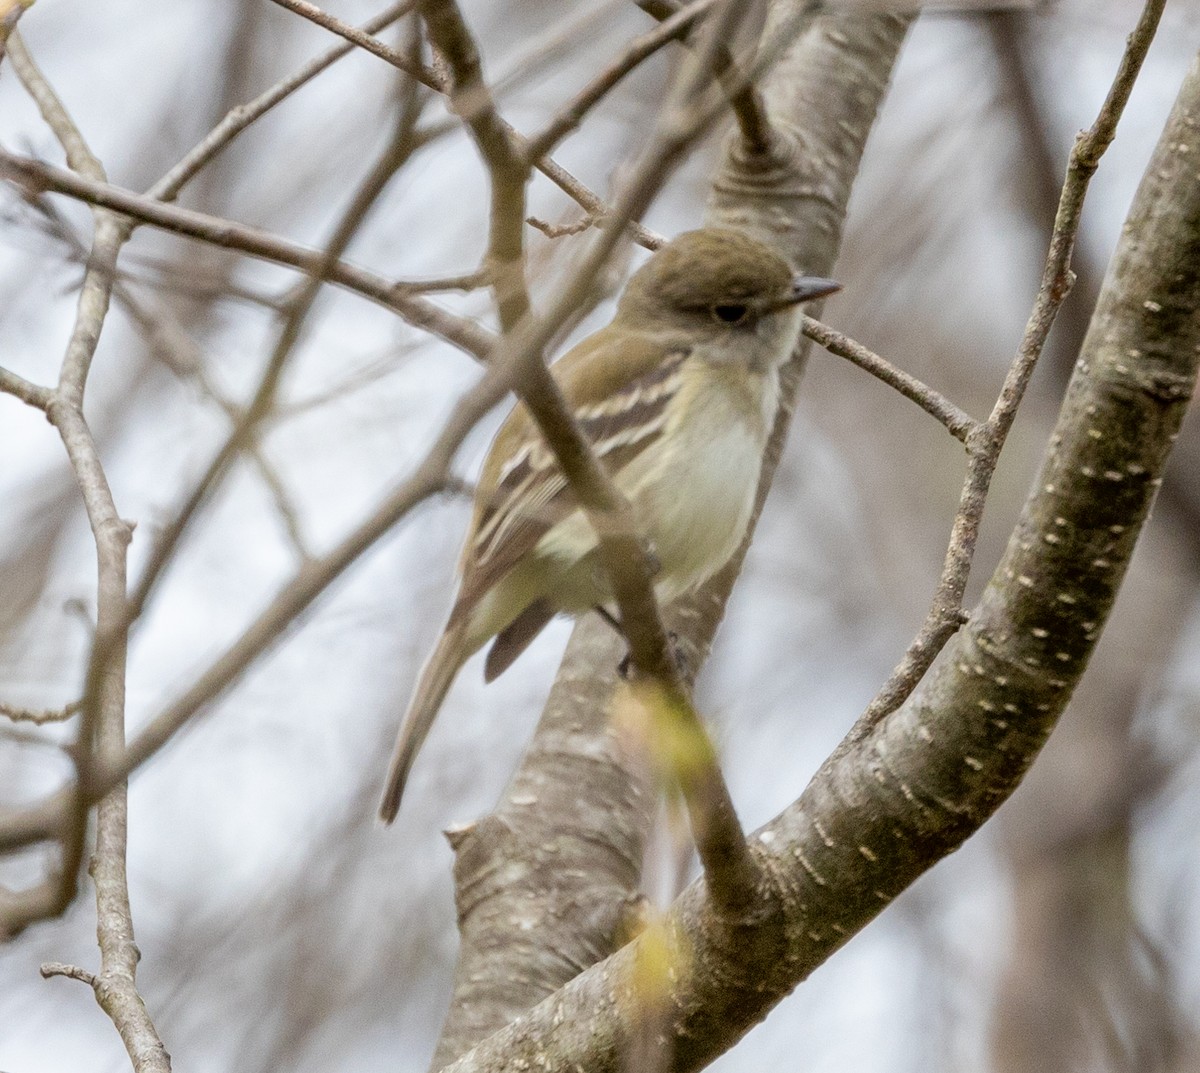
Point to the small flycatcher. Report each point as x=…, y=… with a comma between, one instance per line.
x=677, y=397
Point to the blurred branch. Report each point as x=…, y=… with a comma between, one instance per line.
x=744, y=98
x=640, y=49
x=239, y=118
x=408, y=64
x=36, y=177
x=508, y=171
x=960, y=424
x=168, y=342
x=243, y=434
x=559, y=40
x=40, y=716
x=985, y=443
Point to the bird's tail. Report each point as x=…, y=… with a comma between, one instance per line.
x=432, y=686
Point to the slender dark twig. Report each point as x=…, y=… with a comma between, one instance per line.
x=426, y=76
x=744, y=98
x=985, y=442
x=959, y=423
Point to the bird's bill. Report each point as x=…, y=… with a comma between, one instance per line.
x=807, y=289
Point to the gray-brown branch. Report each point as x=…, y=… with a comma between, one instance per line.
x=881, y=812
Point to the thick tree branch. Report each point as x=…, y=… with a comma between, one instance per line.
x=987, y=440
x=886, y=808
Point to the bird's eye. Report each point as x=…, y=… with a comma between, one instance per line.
x=730, y=314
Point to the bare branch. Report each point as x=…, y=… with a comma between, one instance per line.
x=237, y=120
x=597, y=209
x=468, y=281
x=72, y=972
x=40, y=716
x=570, y=117
x=985, y=443
x=744, y=98
x=508, y=169
x=102, y=727
x=426, y=76
x=958, y=423
x=36, y=177
x=28, y=392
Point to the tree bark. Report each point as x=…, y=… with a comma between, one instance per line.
x=887, y=806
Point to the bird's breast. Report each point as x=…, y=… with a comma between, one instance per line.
x=695, y=497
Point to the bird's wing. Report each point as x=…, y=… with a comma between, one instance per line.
x=621, y=406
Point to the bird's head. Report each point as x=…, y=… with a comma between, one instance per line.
x=716, y=281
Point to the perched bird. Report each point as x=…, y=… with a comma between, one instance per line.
x=677, y=396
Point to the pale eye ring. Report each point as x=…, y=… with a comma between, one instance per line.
x=730, y=313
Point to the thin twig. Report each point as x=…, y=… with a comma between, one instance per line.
x=425, y=75
x=959, y=423
x=640, y=49
x=985, y=443
x=595, y=206
x=288, y=513
x=239, y=118
x=72, y=972
x=561, y=230
x=28, y=392
x=36, y=177
x=40, y=716
x=468, y=281
x=749, y=109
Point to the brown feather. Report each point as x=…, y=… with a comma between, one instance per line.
x=522, y=494
x=517, y=636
